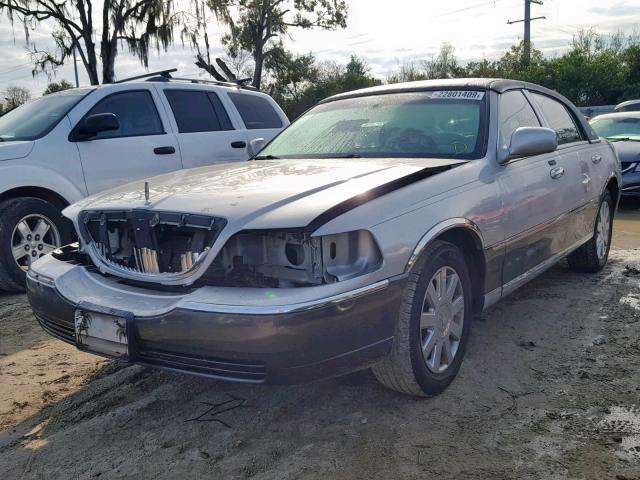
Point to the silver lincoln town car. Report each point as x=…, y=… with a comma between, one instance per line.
x=367, y=234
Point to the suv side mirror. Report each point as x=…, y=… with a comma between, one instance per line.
x=94, y=124
x=529, y=141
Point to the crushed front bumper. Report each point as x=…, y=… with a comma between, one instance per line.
x=269, y=343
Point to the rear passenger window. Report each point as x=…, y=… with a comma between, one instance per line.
x=515, y=112
x=136, y=112
x=198, y=111
x=559, y=119
x=256, y=112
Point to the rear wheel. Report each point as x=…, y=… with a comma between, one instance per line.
x=593, y=255
x=433, y=326
x=29, y=229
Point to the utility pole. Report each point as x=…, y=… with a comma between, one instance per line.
x=527, y=27
x=75, y=66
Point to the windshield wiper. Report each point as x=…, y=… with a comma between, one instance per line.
x=1, y=139
x=267, y=157
x=623, y=139
x=348, y=155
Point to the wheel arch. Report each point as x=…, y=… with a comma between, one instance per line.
x=36, y=192
x=614, y=189
x=466, y=235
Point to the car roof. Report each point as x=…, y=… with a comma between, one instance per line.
x=627, y=103
x=499, y=85
x=633, y=114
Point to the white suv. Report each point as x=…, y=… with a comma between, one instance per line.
x=60, y=148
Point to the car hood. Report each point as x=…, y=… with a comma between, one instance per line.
x=269, y=193
x=627, y=151
x=13, y=150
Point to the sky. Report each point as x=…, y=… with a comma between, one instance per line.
x=384, y=34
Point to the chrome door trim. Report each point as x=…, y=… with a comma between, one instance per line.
x=439, y=229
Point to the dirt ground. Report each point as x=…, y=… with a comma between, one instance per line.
x=550, y=388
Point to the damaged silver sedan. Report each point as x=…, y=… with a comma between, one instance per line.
x=367, y=234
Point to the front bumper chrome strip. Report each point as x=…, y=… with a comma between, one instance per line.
x=338, y=299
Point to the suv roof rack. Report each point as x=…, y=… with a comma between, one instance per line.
x=163, y=73
x=165, y=76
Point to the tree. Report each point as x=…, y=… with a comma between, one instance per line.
x=304, y=82
x=15, y=96
x=261, y=25
x=139, y=24
x=443, y=65
x=57, y=87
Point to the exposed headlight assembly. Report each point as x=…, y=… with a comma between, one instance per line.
x=291, y=259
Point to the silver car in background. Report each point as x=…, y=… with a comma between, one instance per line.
x=367, y=234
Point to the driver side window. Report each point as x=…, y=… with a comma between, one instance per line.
x=136, y=112
x=515, y=112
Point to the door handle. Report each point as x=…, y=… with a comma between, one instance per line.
x=164, y=150
x=239, y=144
x=596, y=158
x=556, y=172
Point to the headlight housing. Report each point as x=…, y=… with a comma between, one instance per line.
x=291, y=259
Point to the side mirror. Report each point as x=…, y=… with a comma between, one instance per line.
x=94, y=124
x=529, y=141
x=256, y=145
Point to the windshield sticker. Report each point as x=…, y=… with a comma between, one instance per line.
x=459, y=94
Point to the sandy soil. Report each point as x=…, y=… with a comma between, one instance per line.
x=550, y=389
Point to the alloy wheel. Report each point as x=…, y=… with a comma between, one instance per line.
x=442, y=319
x=34, y=236
x=603, y=227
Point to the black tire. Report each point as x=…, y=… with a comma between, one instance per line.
x=12, y=277
x=405, y=369
x=586, y=258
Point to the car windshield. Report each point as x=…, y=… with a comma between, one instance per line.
x=443, y=124
x=613, y=128
x=36, y=118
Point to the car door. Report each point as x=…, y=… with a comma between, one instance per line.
x=206, y=133
x=140, y=148
x=261, y=116
x=532, y=196
x=578, y=189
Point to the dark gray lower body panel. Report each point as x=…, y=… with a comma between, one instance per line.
x=279, y=348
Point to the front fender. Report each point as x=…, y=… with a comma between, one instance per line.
x=437, y=230
x=25, y=176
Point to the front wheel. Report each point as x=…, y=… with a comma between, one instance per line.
x=593, y=255
x=29, y=229
x=433, y=327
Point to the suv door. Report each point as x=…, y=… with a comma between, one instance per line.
x=140, y=148
x=205, y=132
x=578, y=187
x=532, y=196
x=261, y=116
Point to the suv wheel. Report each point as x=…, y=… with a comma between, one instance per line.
x=29, y=229
x=593, y=255
x=433, y=326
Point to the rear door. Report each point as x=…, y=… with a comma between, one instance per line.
x=206, y=132
x=579, y=172
x=140, y=148
x=532, y=195
x=260, y=115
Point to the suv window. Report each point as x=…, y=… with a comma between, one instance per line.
x=256, y=112
x=515, y=112
x=136, y=112
x=198, y=111
x=559, y=119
